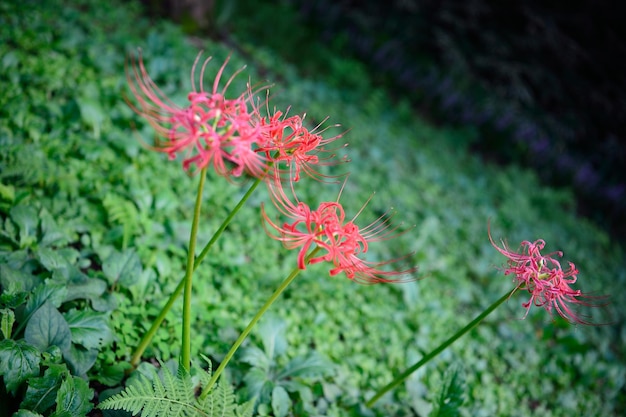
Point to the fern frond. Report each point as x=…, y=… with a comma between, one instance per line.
x=171, y=396
x=123, y=212
x=220, y=402
x=246, y=409
x=174, y=396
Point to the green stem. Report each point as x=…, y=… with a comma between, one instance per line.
x=147, y=338
x=400, y=378
x=185, y=355
x=252, y=323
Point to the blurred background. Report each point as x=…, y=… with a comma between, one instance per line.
x=542, y=83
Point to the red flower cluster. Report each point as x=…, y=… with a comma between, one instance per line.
x=228, y=134
x=545, y=280
x=342, y=241
x=232, y=136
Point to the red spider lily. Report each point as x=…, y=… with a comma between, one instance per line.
x=342, y=241
x=210, y=130
x=544, y=279
x=293, y=148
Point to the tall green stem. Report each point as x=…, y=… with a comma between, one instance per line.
x=149, y=335
x=252, y=323
x=185, y=355
x=404, y=375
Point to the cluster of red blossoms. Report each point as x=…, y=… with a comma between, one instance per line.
x=544, y=279
x=231, y=135
x=341, y=240
x=228, y=134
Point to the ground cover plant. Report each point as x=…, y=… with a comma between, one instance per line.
x=95, y=229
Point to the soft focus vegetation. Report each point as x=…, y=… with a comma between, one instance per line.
x=94, y=229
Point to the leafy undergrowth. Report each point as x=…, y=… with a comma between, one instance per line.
x=94, y=229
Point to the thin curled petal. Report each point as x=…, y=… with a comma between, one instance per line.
x=343, y=242
x=545, y=280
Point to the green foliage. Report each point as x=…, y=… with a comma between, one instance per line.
x=175, y=395
x=270, y=381
x=123, y=212
x=451, y=396
x=18, y=362
x=69, y=144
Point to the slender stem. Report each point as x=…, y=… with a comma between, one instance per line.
x=149, y=335
x=398, y=380
x=228, y=219
x=252, y=323
x=185, y=355
x=147, y=338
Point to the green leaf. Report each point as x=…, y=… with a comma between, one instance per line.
x=451, y=396
x=174, y=395
x=106, y=302
x=272, y=332
x=26, y=413
x=74, y=397
x=281, y=403
x=7, y=319
x=258, y=384
x=92, y=114
x=122, y=267
x=89, y=328
x=80, y=286
x=246, y=409
x=49, y=292
x=18, y=362
x=46, y=328
x=7, y=192
x=80, y=360
x=12, y=300
x=112, y=375
x=123, y=212
x=256, y=357
x=16, y=279
x=51, y=232
x=27, y=219
x=51, y=259
x=42, y=391
x=309, y=366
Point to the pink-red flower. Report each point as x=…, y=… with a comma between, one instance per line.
x=211, y=130
x=545, y=280
x=293, y=148
x=341, y=241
